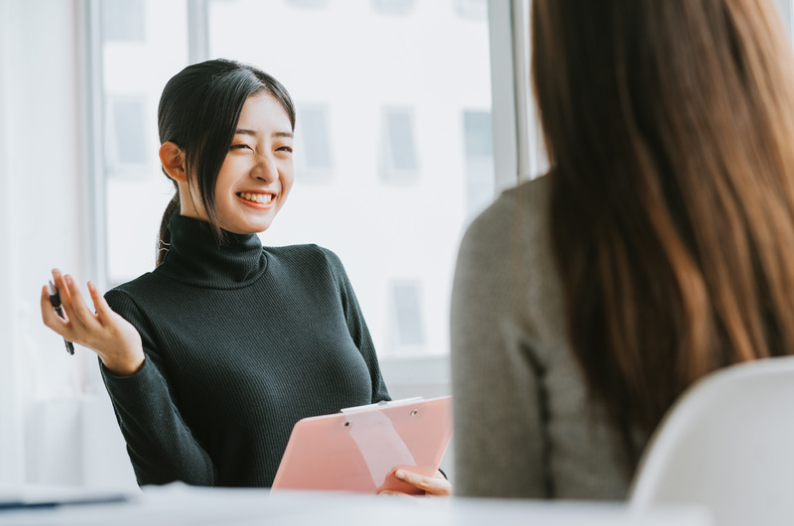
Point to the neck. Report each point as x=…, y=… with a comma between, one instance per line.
x=196, y=256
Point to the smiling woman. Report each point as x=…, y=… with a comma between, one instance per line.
x=209, y=163
x=212, y=358
x=256, y=175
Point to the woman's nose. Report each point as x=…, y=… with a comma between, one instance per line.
x=266, y=169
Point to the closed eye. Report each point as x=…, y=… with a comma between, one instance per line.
x=284, y=149
x=239, y=147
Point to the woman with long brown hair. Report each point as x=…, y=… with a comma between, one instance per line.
x=659, y=248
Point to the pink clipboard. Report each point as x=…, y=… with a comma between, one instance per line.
x=360, y=448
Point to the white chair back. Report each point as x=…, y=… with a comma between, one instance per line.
x=728, y=443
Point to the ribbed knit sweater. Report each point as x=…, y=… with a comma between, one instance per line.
x=525, y=426
x=241, y=342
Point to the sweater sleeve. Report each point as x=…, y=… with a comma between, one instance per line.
x=496, y=380
x=161, y=446
x=358, y=327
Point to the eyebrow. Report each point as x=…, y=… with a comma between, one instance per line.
x=243, y=131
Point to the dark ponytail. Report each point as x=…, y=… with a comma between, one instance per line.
x=165, y=232
x=198, y=111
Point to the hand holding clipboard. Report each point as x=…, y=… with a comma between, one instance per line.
x=360, y=448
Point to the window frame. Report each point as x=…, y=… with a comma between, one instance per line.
x=91, y=133
x=12, y=469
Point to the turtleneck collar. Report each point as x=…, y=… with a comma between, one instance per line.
x=195, y=258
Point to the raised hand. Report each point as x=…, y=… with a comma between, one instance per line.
x=114, y=339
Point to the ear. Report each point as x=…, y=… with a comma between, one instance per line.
x=173, y=159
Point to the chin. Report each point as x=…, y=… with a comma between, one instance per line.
x=256, y=229
x=246, y=229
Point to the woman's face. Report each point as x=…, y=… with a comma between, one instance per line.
x=258, y=171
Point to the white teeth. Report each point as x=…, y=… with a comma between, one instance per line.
x=256, y=198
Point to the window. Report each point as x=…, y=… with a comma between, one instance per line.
x=479, y=161
x=124, y=20
x=406, y=308
x=308, y=3
x=393, y=7
x=126, y=147
x=399, y=152
x=312, y=138
x=472, y=9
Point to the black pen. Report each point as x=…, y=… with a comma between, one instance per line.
x=55, y=300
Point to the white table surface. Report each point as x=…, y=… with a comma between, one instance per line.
x=177, y=504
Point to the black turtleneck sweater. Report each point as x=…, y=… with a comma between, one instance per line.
x=241, y=342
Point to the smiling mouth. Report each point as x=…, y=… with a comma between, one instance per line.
x=256, y=198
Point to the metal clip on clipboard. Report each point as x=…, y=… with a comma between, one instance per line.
x=382, y=404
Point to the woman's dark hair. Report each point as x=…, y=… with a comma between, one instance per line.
x=669, y=126
x=198, y=111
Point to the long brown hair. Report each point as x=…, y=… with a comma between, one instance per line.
x=669, y=126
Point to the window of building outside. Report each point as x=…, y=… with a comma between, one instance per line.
x=393, y=138
x=398, y=154
x=126, y=144
x=308, y=3
x=313, y=144
x=479, y=160
x=407, y=328
x=474, y=9
x=394, y=7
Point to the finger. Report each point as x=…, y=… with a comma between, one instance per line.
x=63, y=293
x=60, y=285
x=67, y=303
x=391, y=492
x=101, y=306
x=430, y=485
x=440, y=487
x=48, y=316
x=81, y=311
